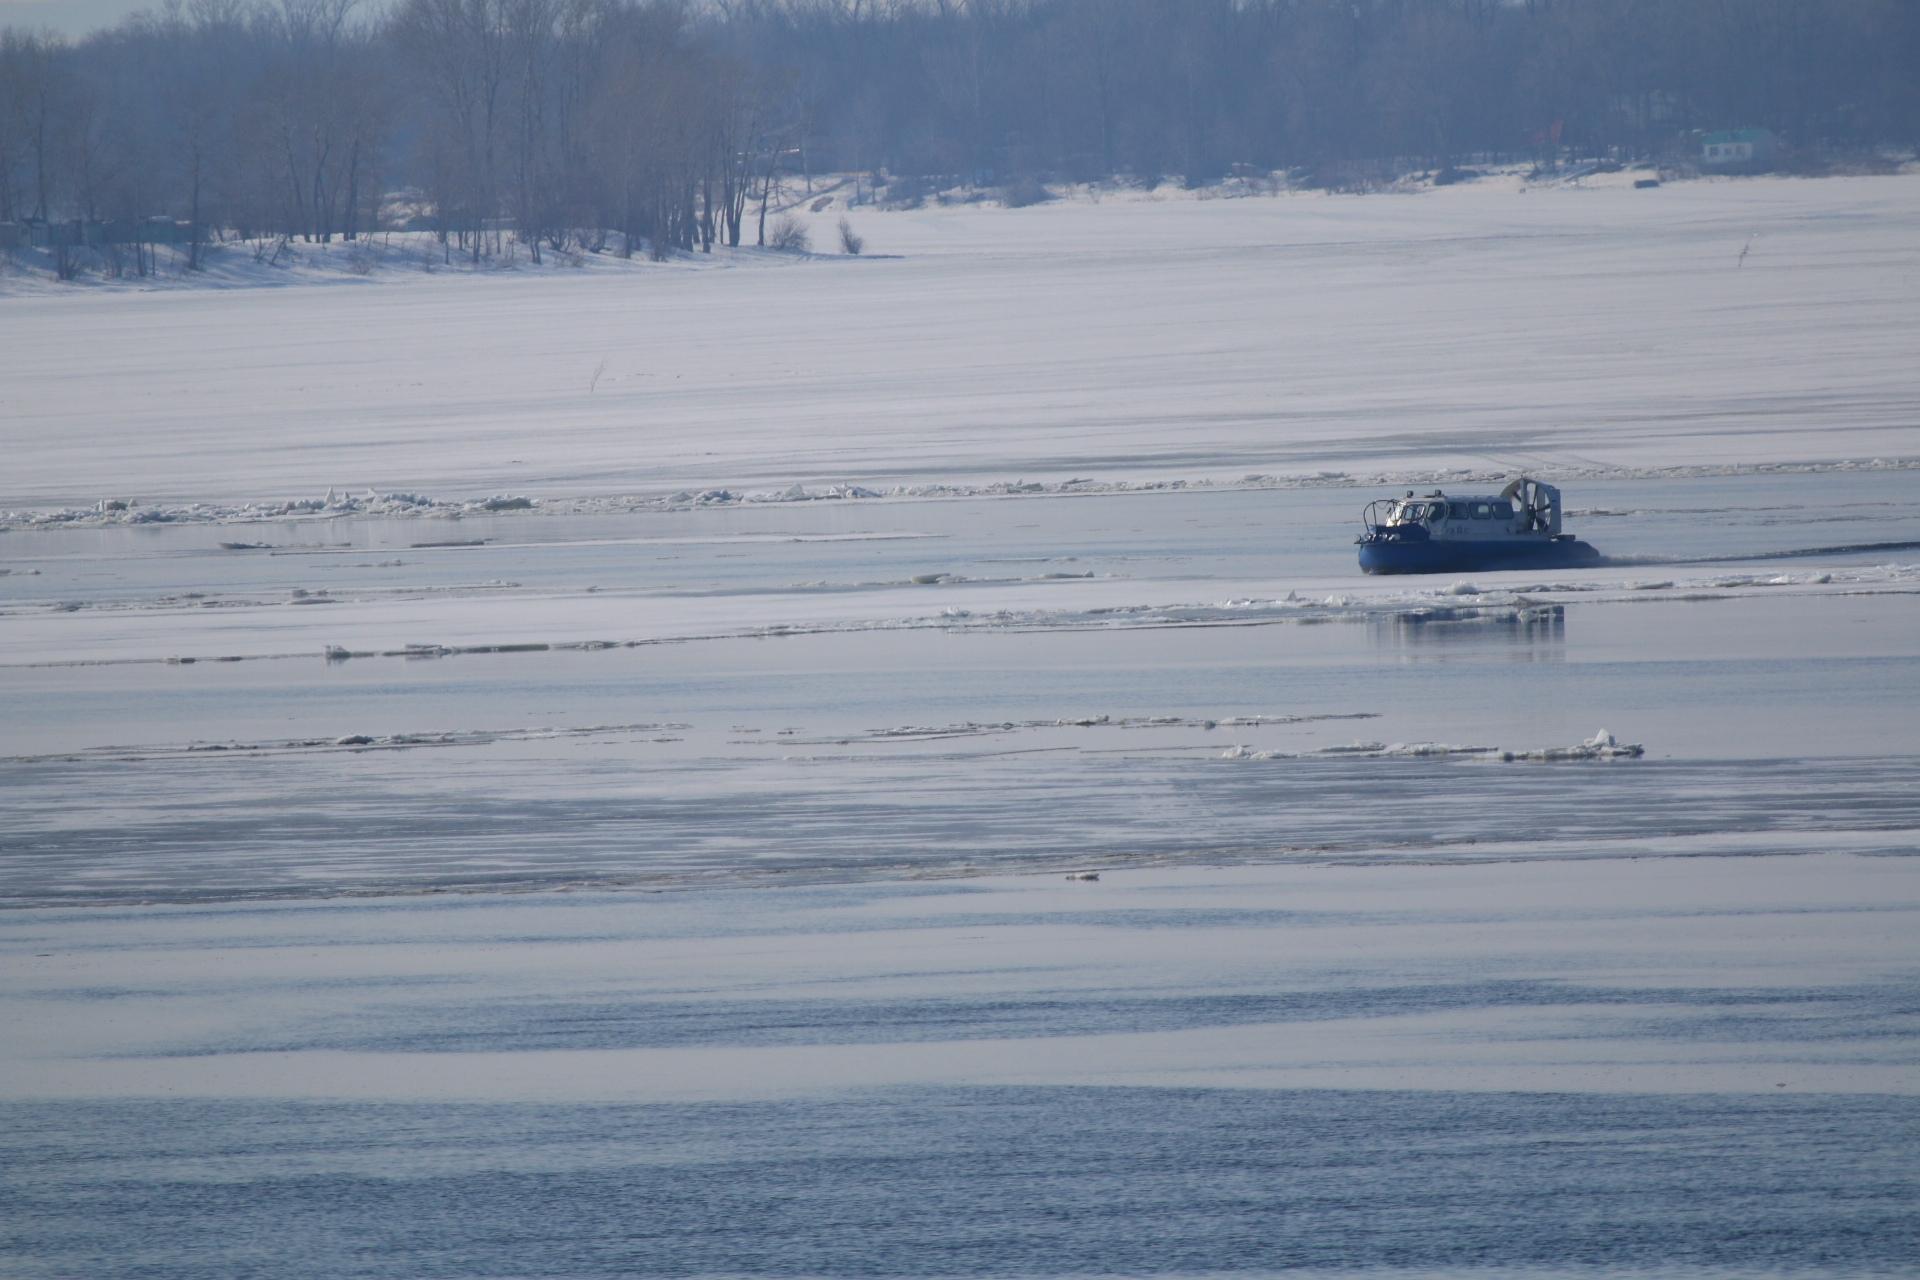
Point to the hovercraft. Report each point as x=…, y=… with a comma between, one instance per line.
x=1440, y=533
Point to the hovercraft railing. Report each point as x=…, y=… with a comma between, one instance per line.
x=1375, y=529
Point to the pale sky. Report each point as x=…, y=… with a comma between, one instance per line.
x=74, y=17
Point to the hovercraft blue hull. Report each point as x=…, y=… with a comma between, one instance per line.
x=1453, y=556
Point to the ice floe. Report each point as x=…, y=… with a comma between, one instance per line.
x=358, y=740
x=1602, y=746
x=972, y=728
x=887, y=606
x=336, y=503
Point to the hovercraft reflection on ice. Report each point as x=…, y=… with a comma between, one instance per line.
x=1519, y=529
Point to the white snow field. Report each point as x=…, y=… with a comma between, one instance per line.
x=1480, y=326
x=804, y=767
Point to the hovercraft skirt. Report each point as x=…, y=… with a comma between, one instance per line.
x=1473, y=557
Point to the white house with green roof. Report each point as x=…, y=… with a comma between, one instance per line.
x=1738, y=149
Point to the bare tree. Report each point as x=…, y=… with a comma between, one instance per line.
x=460, y=47
x=37, y=88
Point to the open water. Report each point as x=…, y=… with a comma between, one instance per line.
x=976, y=1182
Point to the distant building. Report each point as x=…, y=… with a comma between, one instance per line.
x=1738, y=150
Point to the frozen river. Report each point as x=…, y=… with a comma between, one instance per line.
x=672, y=883
x=1362, y=987
x=910, y=687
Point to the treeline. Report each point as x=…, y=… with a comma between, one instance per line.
x=664, y=123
